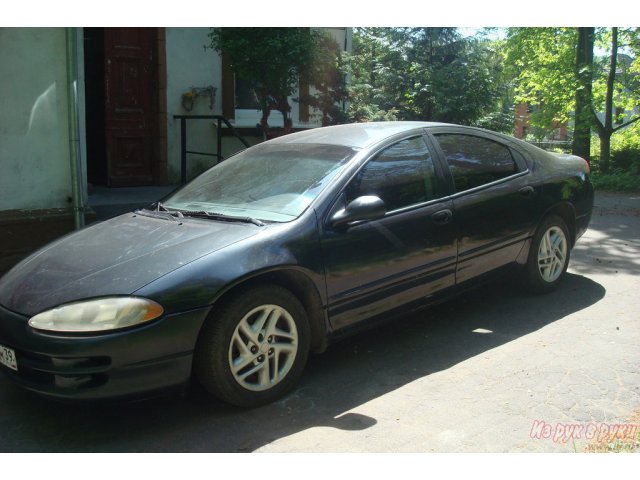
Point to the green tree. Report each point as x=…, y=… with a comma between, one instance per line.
x=584, y=92
x=556, y=71
x=371, y=67
x=542, y=62
x=615, y=90
x=421, y=74
x=472, y=86
x=271, y=60
x=501, y=118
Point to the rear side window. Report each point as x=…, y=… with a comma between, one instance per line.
x=475, y=161
x=401, y=175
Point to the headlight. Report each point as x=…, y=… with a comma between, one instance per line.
x=97, y=315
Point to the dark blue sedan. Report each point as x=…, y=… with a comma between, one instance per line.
x=274, y=253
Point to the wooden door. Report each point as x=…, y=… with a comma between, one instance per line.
x=129, y=93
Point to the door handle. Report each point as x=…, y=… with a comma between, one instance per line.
x=442, y=217
x=527, y=192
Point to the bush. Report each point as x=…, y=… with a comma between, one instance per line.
x=616, y=182
x=625, y=150
x=627, y=160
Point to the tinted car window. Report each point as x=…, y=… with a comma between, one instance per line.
x=475, y=161
x=401, y=175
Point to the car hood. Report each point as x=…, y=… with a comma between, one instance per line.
x=116, y=257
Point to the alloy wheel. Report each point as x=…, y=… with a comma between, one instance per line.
x=552, y=254
x=263, y=347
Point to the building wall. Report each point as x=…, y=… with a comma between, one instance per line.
x=521, y=120
x=35, y=166
x=34, y=147
x=190, y=65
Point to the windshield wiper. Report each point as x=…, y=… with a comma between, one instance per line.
x=159, y=207
x=222, y=216
x=158, y=210
x=157, y=214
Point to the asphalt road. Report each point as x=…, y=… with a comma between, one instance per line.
x=495, y=370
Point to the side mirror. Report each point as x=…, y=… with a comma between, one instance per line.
x=363, y=208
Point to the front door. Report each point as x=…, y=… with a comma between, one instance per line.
x=378, y=267
x=129, y=116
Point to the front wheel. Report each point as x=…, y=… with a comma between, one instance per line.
x=253, y=349
x=548, y=256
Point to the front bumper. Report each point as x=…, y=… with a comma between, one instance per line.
x=133, y=362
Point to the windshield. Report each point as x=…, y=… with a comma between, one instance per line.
x=270, y=182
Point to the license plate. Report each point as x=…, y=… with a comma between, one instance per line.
x=8, y=357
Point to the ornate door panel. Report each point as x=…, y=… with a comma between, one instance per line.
x=129, y=104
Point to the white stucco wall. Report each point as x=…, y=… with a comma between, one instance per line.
x=190, y=65
x=34, y=143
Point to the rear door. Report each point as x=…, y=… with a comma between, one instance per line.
x=494, y=199
x=376, y=267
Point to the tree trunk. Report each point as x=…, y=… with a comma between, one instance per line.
x=429, y=109
x=275, y=102
x=605, y=151
x=584, y=63
x=605, y=146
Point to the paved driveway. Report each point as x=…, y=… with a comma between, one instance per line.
x=497, y=370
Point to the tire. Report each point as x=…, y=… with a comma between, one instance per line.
x=549, y=255
x=253, y=349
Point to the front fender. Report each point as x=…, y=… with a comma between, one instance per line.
x=202, y=282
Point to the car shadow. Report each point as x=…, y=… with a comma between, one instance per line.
x=349, y=374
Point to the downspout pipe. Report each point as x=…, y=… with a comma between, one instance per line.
x=74, y=127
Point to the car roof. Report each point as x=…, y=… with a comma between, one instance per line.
x=357, y=135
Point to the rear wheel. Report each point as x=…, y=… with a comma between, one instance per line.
x=548, y=256
x=254, y=348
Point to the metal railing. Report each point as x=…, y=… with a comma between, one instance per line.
x=183, y=139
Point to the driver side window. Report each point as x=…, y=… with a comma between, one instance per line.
x=401, y=175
